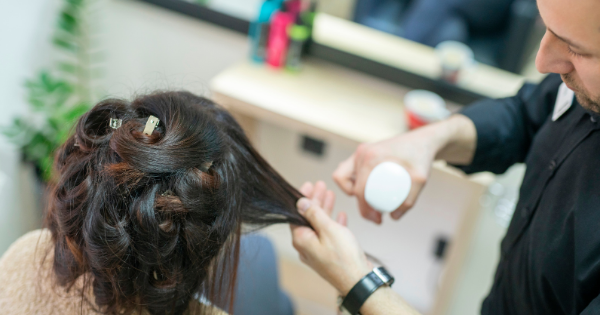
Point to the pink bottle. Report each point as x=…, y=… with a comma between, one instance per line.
x=278, y=38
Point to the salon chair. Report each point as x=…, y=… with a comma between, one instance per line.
x=257, y=290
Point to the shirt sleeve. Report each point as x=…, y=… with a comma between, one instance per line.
x=586, y=242
x=506, y=127
x=593, y=308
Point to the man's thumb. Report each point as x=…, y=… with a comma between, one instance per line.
x=313, y=213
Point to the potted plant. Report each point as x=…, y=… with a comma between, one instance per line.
x=58, y=98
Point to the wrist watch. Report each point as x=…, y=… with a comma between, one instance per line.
x=351, y=303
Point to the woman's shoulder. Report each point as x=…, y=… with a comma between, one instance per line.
x=26, y=285
x=26, y=247
x=25, y=255
x=20, y=272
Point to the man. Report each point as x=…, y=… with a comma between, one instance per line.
x=550, y=257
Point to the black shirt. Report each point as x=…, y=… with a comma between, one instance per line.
x=550, y=256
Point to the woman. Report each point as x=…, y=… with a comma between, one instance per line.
x=145, y=213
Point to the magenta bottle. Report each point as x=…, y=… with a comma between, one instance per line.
x=278, y=38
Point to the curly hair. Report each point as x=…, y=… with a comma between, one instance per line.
x=154, y=220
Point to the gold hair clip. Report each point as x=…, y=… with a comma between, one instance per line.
x=150, y=125
x=115, y=123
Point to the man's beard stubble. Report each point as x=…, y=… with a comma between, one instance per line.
x=582, y=97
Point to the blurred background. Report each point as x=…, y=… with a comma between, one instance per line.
x=309, y=80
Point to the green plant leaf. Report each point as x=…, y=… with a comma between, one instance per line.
x=67, y=67
x=46, y=94
x=67, y=22
x=45, y=165
x=60, y=95
x=19, y=132
x=47, y=81
x=38, y=147
x=75, y=3
x=11, y=131
x=63, y=43
x=76, y=111
x=65, y=120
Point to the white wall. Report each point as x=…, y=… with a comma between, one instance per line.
x=24, y=36
x=149, y=47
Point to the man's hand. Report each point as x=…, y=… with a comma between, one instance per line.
x=330, y=249
x=453, y=139
x=414, y=151
x=334, y=253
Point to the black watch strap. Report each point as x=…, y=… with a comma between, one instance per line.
x=364, y=288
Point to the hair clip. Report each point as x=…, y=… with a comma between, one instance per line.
x=150, y=125
x=167, y=193
x=115, y=123
x=76, y=144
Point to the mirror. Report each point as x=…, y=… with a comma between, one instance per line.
x=500, y=33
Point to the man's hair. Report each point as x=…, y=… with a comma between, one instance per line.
x=153, y=221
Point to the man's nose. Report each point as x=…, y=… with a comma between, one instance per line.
x=553, y=56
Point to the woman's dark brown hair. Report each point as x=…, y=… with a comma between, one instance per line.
x=153, y=221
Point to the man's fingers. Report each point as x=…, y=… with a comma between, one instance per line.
x=319, y=193
x=367, y=212
x=329, y=202
x=304, y=238
x=303, y=258
x=413, y=195
x=359, y=191
x=307, y=189
x=362, y=174
x=342, y=219
x=344, y=175
x=398, y=213
x=317, y=217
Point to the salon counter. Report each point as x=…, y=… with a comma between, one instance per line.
x=323, y=99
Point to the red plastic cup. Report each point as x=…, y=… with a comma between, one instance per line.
x=414, y=121
x=424, y=107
